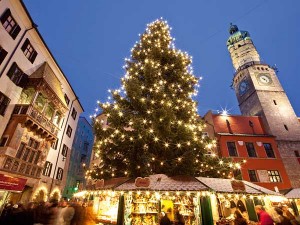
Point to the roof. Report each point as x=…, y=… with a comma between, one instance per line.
x=45, y=72
x=224, y=185
x=238, y=124
x=161, y=182
x=294, y=193
x=114, y=182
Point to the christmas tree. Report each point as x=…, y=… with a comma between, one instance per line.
x=152, y=122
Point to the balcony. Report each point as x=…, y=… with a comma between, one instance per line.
x=36, y=121
x=21, y=167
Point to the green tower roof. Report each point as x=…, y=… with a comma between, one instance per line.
x=236, y=35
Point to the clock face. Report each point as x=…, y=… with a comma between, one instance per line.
x=243, y=87
x=264, y=79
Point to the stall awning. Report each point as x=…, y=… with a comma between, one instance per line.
x=161, y=182
x=294, y=193
x=10, y=183
x=226, y=186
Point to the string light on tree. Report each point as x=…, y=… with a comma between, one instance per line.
x=152, y=122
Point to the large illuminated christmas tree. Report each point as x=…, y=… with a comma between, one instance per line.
x=152, y=122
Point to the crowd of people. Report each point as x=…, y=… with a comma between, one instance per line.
x=279, y=215
x=44, y=213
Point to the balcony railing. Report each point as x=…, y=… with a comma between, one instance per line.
x=21, y=167
x=37, y=116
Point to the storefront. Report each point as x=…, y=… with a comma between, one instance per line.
x=10, y=187
x=198, y=200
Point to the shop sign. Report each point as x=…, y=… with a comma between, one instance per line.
x=142, y=182
x=12, y=183
x=99, y=184
x=238, y=185
x=263, y=176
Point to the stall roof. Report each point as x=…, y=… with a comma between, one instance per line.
x=161, y=182
x=294, y=193
x=224, y=185
x=113, y=182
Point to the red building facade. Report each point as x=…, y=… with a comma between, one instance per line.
x=244, y=138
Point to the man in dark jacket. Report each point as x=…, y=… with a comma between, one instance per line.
x=165, y=219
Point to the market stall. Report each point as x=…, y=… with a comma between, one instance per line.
x=294, y=198
x=198, y=201
x=230, y=195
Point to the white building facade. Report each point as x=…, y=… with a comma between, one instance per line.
x=39, y=110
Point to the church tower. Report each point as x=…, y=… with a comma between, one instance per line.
x=260, y=93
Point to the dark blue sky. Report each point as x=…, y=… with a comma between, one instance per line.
x=91, y=38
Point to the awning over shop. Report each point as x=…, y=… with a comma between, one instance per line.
x=10, y=183
x=294, y=193
x=234, y=186
x=161, y=182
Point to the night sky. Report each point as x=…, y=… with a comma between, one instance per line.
x=91, y=38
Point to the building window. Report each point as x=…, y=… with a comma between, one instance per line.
x=33, y=143
x=275, y=103
x=4, y=102
x=20, y=150
x=10, y=24
x=250, y=149
x=286, y=127
x=69, y=131
x=37, y=157
x=85, y=146
x=3, y=54
x=59, y=174
x=231, y=149
x=15, y=74
x=29, y=51
x=269, y=150
x=3, y=141
x=64, y=151
x=74, y=113
x=67, y=99
x=54, y=144
x=252, y=176
x=297, y=154
x=274, y=176
x=47, y=169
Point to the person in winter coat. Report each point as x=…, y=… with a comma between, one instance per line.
x=239, y=219
x=264, y=217
x=165, y=219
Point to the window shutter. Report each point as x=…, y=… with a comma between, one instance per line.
x=3, y=54
x=16, y=31
x=33, y=56
x=5, y=15
x=12, y=69
x=26, y=42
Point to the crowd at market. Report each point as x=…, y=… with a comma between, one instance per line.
x=44, y=213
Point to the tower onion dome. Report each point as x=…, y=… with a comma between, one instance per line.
x=236, y=35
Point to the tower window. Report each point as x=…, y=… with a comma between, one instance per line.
x=297, y=154
x=285, y=127
x=275, y=103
